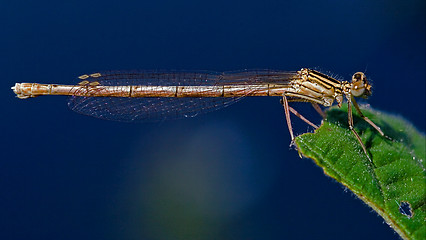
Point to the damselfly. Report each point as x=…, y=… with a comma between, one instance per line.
x=159, y=95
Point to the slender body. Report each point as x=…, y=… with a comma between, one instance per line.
x=26, y=90
x=140, y=96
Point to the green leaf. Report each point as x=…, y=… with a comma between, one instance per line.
x=395, y=186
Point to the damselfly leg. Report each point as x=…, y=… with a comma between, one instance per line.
x=287, y=110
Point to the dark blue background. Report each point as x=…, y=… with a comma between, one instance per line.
x=223, y=175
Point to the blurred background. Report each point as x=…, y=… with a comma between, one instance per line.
x=229, y=174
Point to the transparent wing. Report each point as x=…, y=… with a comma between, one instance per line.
x=146, y=109
x=129, y=109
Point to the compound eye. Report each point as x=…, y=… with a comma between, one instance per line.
x=360, y=86
x=359, y=77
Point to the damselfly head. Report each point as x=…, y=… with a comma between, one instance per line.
x=360, y=86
